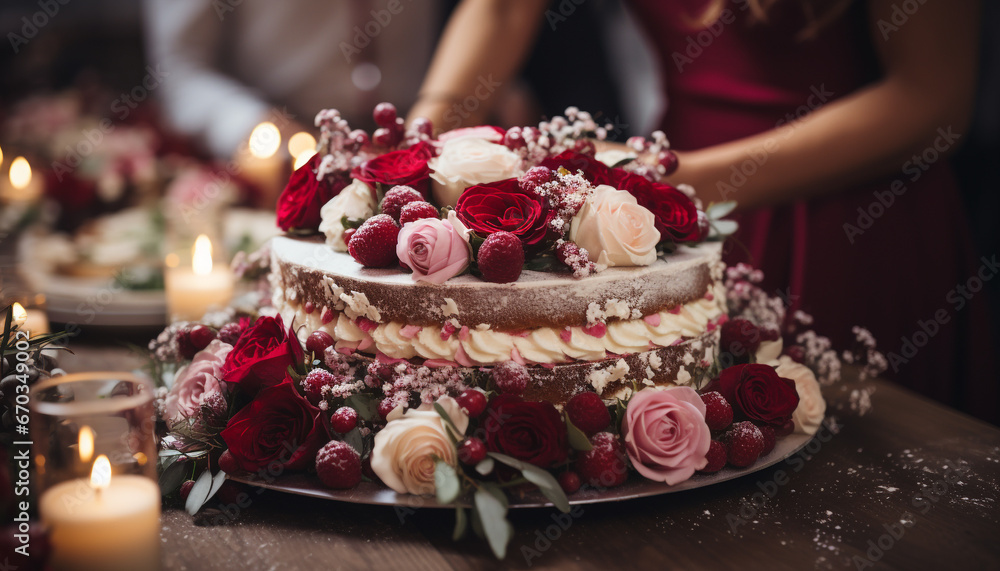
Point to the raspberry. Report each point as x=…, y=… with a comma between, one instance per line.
x=473, y=401
x=314, y=382
x=384, y=114
x=230, y=333
x=501, y=257
x=373, y=245
x=587, y=412
x=770, y=437
x=603, y=465
x=471, y=451
x=184, y=345
x=338, y=465
x=228, y=463
x=716, y=456
x=201, y=336
x=416, y=210
x=344, y=419
x=536, y=177
x=186, y=489
x=718, y=412
x=569, y=481
x=318, y=341
x=511, y=378
x=397, y=197
x=385, y=406
x=745, y=444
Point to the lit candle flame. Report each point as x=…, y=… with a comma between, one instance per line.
x=1, y=156
x=100, y=475
x=86, y=444
x=301, y=142
x=20, y=315
x=303, y=158
x=202, y=256
x=265, y=139
x=20, y=173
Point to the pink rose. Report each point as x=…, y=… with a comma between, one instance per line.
x=435, y=250
x=665, y=433
x=196, y=382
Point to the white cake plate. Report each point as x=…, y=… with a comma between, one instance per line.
x=636, y=486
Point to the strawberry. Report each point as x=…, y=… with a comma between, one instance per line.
x=500, y=258
x=338, y=465
x=716, y=456
x=604, y=464
x=416, y=210
x=587, y=412
x=745, y=443
x=718, y=412
x=373, y=245
x=397, y=197
x=344, y=419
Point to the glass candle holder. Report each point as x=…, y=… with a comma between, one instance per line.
x=95, y=457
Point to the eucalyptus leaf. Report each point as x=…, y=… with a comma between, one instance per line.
x=577, y=439
x=717, y=210
x=461, y=524
x=364, y=404
x=723, y=228
x=172, y=476
x=217, y=482
x=199, y=492
x=356, y=440
x=548, y=485
x=492, y=515
x=453, y=430
x=446, y=482
x=485, y=467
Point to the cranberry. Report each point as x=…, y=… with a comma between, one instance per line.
x=669, y=161
x=200, y=336
x=471, y=451
x=473, y=401
x=383, y=137
x=344, y=419
x=423, y=126
x=318, y=341
x=569, y=481
x=384, y=114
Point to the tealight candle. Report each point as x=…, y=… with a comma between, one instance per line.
x=34, y=321
x=261, y=163
x=111, y=523
x=192, y=291
x=20, y=185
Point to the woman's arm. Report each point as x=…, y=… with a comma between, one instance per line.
x=930, y=74
x=484, y=44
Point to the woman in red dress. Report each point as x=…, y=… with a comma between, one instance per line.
x=828, y=122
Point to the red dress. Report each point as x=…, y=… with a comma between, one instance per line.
x=897, y=272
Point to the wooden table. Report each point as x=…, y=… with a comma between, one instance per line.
x=913, y=485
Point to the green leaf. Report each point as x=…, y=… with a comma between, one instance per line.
x=623, y=162
x=199, y=492
x=172, y=475
x=364, y=404
x=356, y=440
x=717, y=210
x=577, y=439
x=453, y=430
x=461, y=524
x=485, y=467
x=540, y=477
x=492, y=514
x=446, y=482
x=351, y=222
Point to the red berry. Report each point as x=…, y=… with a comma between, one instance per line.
x=397, y=197
x=604, y=464
x=770, y=437
x=569, y=481
x=338, y=465
x=318, y=341
x=501, y=257
x=317, y=379
x=473, y=401
x=186, y=489
x=785, y=429
x=536, y=177
x=718, y=412
x=669, y=161
x=511, y=378
x=184, y=345
x=745, y=444
x=416, y=210
x=587, y=412
x=423, y=125
x=384, y=114
x=326, y=315
x=346, y=236
x=513, y=139
x=373, y=245
x=230, y=333
x=344, y=419
x=308, y=307
x=471, y=451
x=716, y=457
x=228, y=463
x=201, y=336
x=385, y=406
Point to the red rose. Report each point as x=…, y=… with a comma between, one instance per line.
x=741, y=339
x=504, y=205
x=758, y=394
x=676, y=216
x=304, y=196
x=277, y=426
x=530, y=431
x=406, y=166
x=594, y=170
x=262, y=355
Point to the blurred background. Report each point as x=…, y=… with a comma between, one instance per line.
x=120, y=120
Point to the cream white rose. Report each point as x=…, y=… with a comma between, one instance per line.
x=356, y=201
x=407, y=449
x=615, y=230
x=812, y=408
x=769, y=352
x=467, y=161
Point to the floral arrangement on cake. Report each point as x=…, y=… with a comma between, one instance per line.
x=243, y=395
